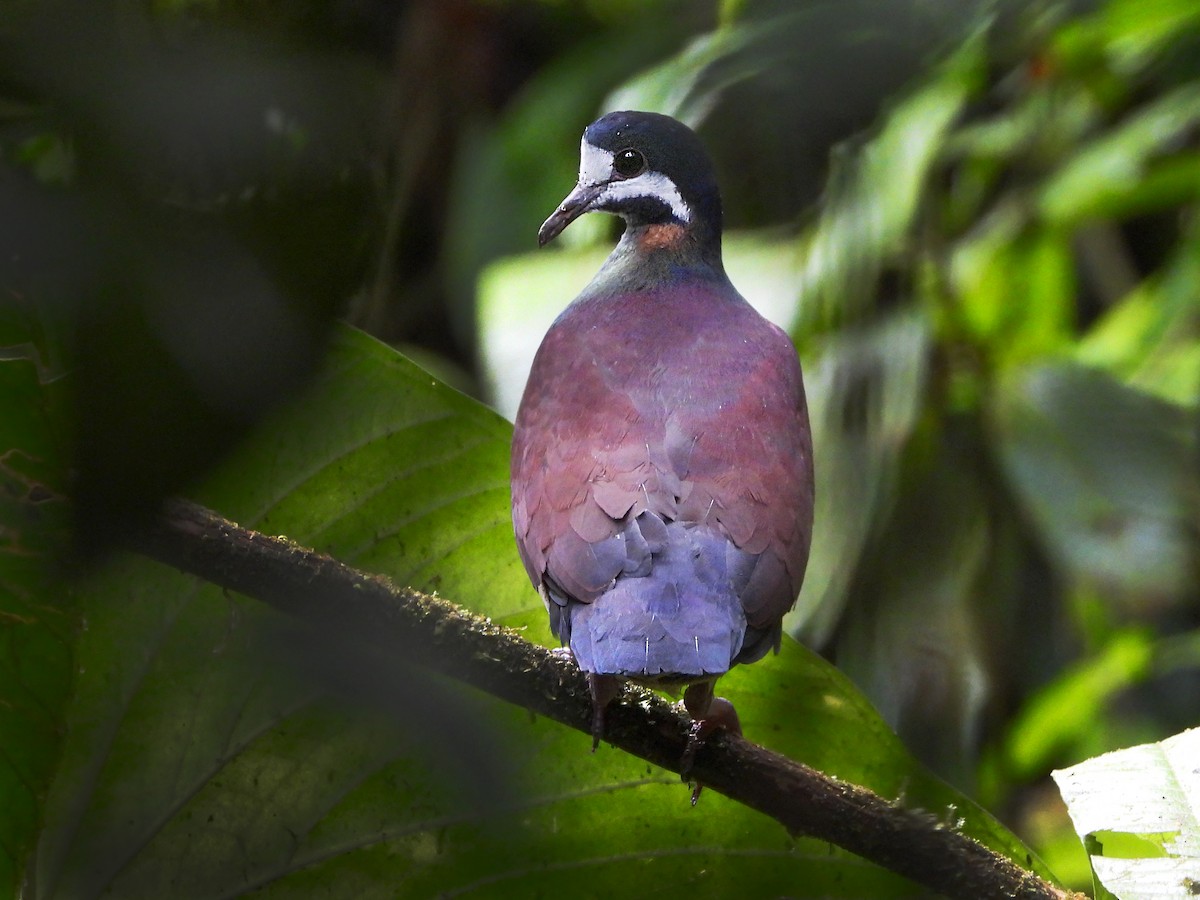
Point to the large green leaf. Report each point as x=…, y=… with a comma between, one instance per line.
x=199, y=762
x=1132, y=34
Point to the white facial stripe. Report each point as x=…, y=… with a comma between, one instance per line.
x=596, y=167
x=650, y=184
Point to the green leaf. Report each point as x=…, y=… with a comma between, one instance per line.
x=786, y=46
x=865, y=390
x=1122, y=845
x=390, y=470
x=1015, y=287
x=37, y=616
x=1132, y=33
x=1149, y=338
x=1105, y=473
x=875, y=194
x=1120, y=173
x=1060, y=712
x=1138, y=812
x=205, y=758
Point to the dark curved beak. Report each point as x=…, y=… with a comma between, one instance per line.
x=575, y=205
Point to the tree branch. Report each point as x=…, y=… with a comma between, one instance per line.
x=324, y=592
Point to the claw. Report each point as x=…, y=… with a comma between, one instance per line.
x=604, y=690
x=710, y=714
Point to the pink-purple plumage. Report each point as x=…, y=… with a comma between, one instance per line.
x=662, y=477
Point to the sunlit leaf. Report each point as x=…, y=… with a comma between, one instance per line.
x=1015, y=286
x=1151, y=338
x=1131, y=33
x=1138, y=812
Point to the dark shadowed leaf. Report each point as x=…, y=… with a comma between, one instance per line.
x=758, y=89
x=913, y=638
x=37, y=616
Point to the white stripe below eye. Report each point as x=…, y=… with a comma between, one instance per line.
x=596, y=167
x=651, y=184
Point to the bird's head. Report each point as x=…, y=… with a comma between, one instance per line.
x=647, y=168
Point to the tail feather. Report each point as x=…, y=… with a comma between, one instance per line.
x=684, y=617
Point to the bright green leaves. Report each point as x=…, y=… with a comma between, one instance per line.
x=1138, y=813
x=1131, y=34
x=1016, y=287
x=1136, y=167
x=1149, y=338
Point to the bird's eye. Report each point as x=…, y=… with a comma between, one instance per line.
x=628, y=163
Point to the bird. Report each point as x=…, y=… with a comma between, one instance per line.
x=662, y=468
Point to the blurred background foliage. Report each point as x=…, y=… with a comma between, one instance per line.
x=977, y=219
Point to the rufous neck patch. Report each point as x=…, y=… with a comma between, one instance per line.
x=662, y=237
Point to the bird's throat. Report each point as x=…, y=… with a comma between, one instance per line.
x=668, y=236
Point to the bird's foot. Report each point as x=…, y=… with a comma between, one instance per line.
x=710, y=714
x=604, y=690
